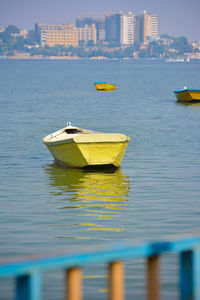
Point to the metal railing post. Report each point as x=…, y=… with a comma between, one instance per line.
x=116, y=281
x=28, y=287
x=186, y=275
x=153, y=278
x=196, y=270
x=190, y=275
x=74, y=284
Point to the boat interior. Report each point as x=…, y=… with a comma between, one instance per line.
x=73, y=130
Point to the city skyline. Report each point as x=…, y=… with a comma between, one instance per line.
x=176, y=17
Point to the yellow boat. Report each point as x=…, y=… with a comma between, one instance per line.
x=76, y=147
x=104, y=86
x=188, y=95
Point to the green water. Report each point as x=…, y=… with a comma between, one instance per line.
x=46, y=208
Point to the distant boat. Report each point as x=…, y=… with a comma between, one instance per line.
x=76, y=147
x=104, y=86
x=188, y=95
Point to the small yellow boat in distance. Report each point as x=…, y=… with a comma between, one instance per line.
x=76, y=147
x=104, y=86
x=188, y=95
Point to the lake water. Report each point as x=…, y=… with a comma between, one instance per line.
x=155, y=194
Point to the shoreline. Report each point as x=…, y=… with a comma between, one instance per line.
x=75, y=58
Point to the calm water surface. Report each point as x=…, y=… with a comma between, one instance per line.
x=156, y=193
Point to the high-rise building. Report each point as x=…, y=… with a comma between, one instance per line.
x=52, y=35
x=145, y=27
x=149, y=27
x=137, y=28
x=38, y=27
x=99, y=23
x=87, y=33
x=127, y=29
x=152, y=26
x=112, y=28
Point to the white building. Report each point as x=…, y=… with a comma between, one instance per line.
x=152, y=26
x=87, y=33
x=127, y=29
x=146, y=27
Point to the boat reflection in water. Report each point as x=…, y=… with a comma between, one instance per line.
x=195, y=104
x=92, y=200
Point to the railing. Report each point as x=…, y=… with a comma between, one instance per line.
x=28, y=273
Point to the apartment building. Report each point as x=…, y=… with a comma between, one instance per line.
x=148, y=27
x=98, y=22
x=87, y=33
x=52, y=35
x=127, y=29
x=112, y=28
x=152, y=26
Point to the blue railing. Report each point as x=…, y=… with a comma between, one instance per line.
x=28, y=272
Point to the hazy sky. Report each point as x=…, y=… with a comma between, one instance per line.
x=176, y=17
